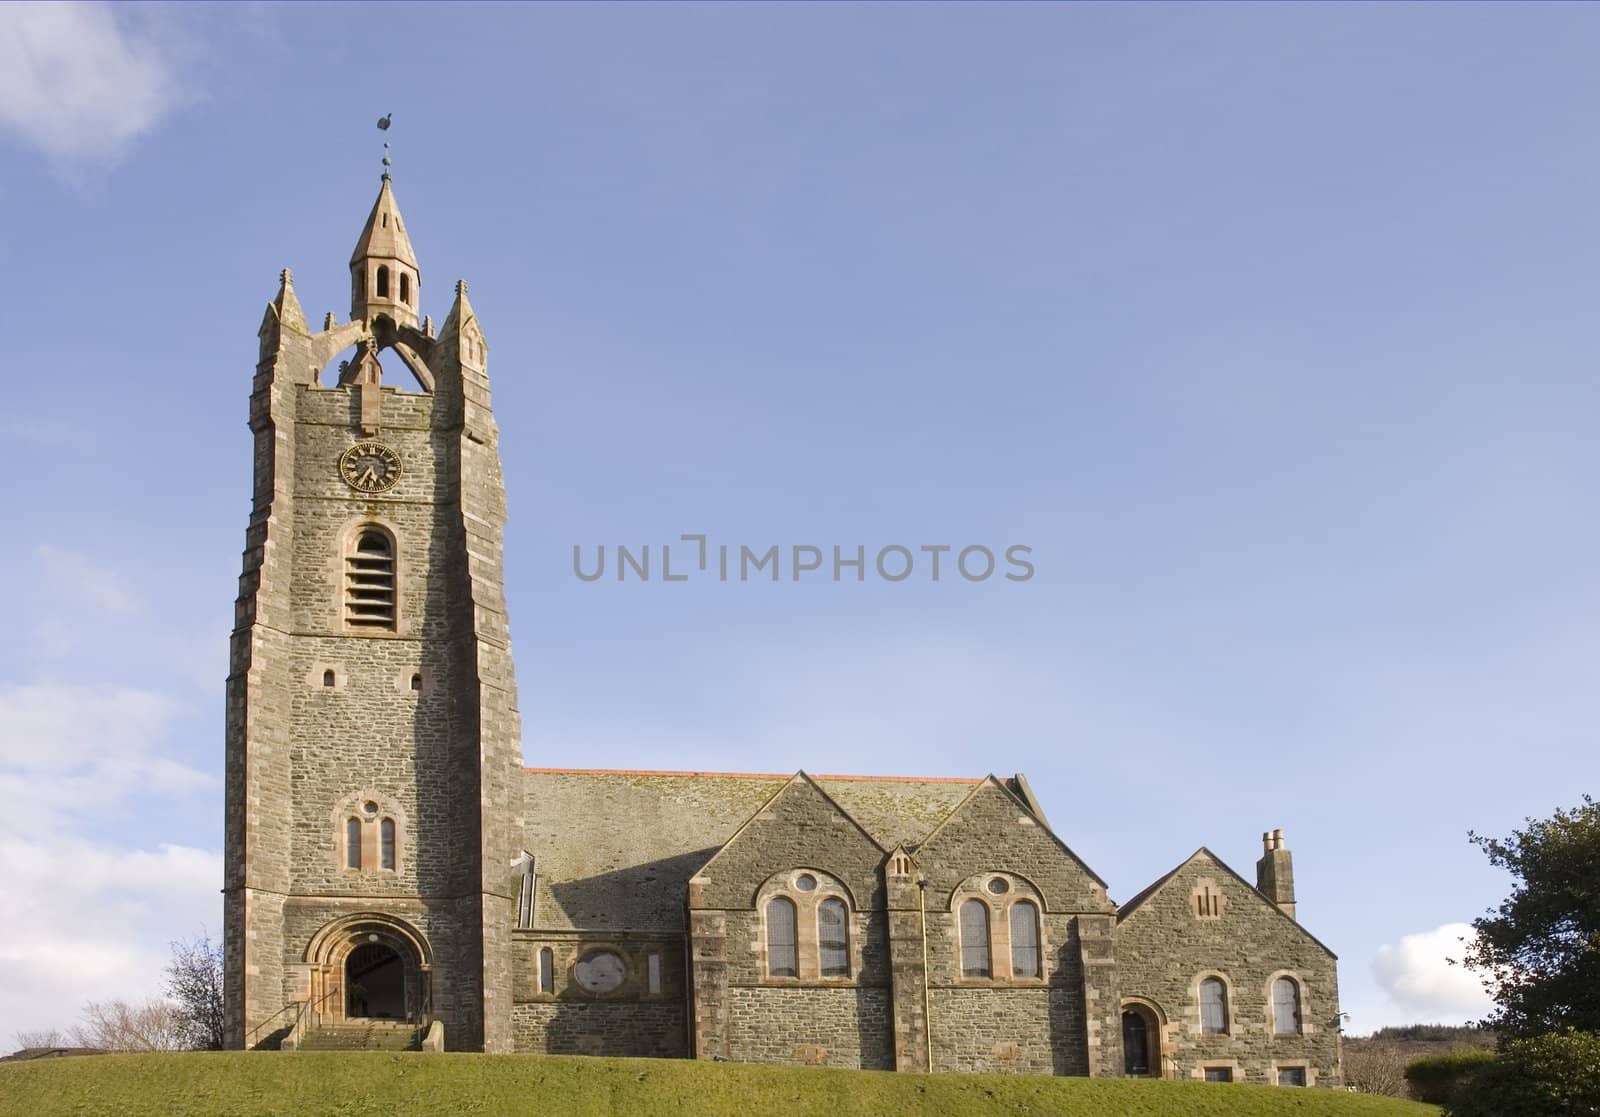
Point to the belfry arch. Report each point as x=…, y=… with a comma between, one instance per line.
x=370, y=966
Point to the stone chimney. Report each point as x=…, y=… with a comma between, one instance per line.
x=1275, y=872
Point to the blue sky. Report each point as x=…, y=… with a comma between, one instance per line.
x=1269, y=329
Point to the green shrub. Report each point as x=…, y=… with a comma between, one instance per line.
x=1434, y=1078
x=1470, y=1034
x=1546, y=1076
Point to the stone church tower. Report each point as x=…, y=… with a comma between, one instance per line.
x=373, y=765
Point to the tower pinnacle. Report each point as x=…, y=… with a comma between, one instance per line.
x=384, y=278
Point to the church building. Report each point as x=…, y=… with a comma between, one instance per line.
x=396, y=876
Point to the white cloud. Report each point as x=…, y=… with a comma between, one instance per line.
x=81, y=916
x=75, y=573
x=81, y=921
x=65, y=750
x=57, y=726
x=78, y=82
x=1419, y=979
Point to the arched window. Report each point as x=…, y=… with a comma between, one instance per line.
x=1213, y=1007
x=405, y=288
x=1135, y=1045
x=352, y=843
x=833, y=937
x=547, y=971
x=975, y=939
x=369, y=581
x=1286, y=1007
x=781, y=944
x=327, y=677
x=416, y=682
x=1024, y=939
x=386, y=843
x=383, y=281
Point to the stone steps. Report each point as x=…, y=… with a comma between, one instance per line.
x=375, y=1035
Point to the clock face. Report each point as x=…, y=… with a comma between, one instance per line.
x=370, y=467
x=599, y=971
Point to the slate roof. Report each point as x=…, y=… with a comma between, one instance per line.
x=614, y=850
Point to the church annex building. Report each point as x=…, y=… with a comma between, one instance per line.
x=392, y=868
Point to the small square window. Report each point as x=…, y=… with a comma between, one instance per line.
x=1219, y=1074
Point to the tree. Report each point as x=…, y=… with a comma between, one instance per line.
x=1375, y=1066
x=120, y=1026
x=1555, y=1075
x=39, y=1037
x=194, y=982
x=1539, y=951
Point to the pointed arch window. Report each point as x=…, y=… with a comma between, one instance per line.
x=405, y=288
x=1024, y=939
x=383, y=281
x=547, y=971
x=833, y=937
x=386, y=844
x=1286, y=1007
x=352, y=843
x=1213, y=1007
x=370, y=581
x=782, y=947
x=975, y=939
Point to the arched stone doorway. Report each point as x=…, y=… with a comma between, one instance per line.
x=370, y=967
x=374, y=983
x=1143, y=1047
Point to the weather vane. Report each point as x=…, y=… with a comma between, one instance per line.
x=383, y=126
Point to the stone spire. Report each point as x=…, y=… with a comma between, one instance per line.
x=282, y=313
x=287, y=305
x=384, y=279
x=461, y=330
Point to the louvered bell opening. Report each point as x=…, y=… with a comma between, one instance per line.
x=369, y=583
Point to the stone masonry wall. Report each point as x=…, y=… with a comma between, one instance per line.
x=631, y=1030
x=257, y=823
x=489, y=676
x=1005, y=1024
x=1163, y=949
x=744, y=1012
x=844, y=1027
x=1007, y=1031
x=628, y=1021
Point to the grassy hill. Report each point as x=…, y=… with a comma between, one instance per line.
x=237, y=1084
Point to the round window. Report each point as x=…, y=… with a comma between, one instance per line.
x=599, y=971
x=999, y=885
x=370, y=807
x=805, y=882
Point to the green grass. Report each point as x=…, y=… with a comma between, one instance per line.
x=248, y=1084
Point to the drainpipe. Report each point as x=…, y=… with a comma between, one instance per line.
x=927, y=1008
